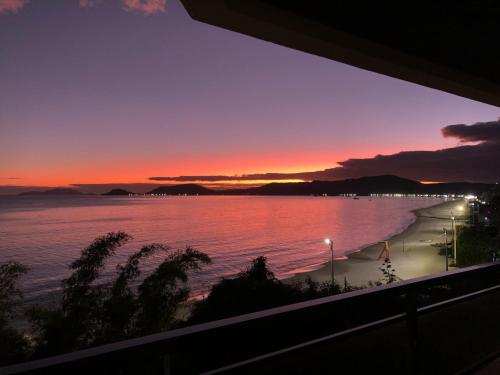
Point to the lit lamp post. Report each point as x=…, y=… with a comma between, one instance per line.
x=329, y=242
x=454, y=228
x=454, y=240
x=446, y=246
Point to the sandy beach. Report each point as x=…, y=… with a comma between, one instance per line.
x=411, y=252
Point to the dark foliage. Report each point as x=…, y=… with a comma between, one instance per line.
x=388, y=272
x=13, y=345
x=476, y=245
x=93, y=313
x=495, y=212
x=159, y=294
x=253, y=289
x=480, y=243
x=256, y=289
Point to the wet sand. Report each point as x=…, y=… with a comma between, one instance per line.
x=411, y=251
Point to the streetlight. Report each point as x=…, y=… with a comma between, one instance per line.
x=329, y=242
x=446, y=246
x=473, y=213
x=453, y=227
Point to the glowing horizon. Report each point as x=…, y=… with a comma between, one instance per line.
x=127, y=95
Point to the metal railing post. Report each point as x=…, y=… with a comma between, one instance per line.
x=412, y=327
x=167, y=369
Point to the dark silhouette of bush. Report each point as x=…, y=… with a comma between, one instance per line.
x=93, y=313
x=13, y=345
x=476, y=245
x=256, y=289
x=388, y=272
x=495, y=211
x=480, y=243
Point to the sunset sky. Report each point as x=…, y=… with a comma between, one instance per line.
x=124, y=90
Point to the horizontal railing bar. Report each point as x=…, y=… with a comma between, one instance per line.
x=347, y=332
x=173, y=335
x=358, y=329
x=457, y=300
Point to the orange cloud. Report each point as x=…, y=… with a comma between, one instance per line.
x=11, y=6
x=148, y=7
x=88, y=3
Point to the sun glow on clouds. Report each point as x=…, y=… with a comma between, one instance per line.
x=234, y=184
x=88, y=3
x=11, y=6
x=147, y=7
x=247, y=182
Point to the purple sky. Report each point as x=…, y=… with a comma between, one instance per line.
x=121, y=91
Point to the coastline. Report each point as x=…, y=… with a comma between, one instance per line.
x=411, y=252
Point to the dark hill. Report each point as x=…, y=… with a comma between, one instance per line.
x=189, y=189
x=360, y=186
x=118, y=192
x=386, y=184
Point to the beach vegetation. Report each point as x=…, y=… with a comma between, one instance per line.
x=494, y=207
x=94, y=312
x=255, y=289
x=476, y=245
x=480, y=243
x=388, y=272
x=13, y=345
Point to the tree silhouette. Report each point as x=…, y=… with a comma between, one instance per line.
x=257, y=288
x=13, y=346
x=93, y=313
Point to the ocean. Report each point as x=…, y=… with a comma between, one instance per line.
x=47, y=233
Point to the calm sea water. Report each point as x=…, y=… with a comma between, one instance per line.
x=47, y=233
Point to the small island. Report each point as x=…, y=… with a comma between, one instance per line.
x=118, y=192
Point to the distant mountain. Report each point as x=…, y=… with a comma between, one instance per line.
x=360, y=186
x=118, y=192
x=56, y=191
x=386, y=184
x=189, y=189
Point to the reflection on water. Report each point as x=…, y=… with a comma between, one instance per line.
x=47, y=233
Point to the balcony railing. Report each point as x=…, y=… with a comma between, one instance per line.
x=447, y=323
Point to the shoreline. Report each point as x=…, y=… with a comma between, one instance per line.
x=360, y=266
x=411, y=252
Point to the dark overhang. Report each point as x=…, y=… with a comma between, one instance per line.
x=452, y=46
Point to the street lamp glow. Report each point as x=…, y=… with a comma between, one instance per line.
x=460, y=208
x=454, y=229
x=329, y=242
